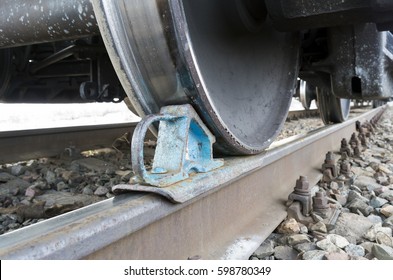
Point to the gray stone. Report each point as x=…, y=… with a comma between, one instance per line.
x=303, y=229
x=377, y=202
x=337, y=256
x=356, y=189
x=359, y=205
x=334, y=186
x=50, y=177
x=351, y=225
x=388, y=222
x=368, y=246
x=381, y=190
x=337, y=240
x=14, y=226
x=366, y=182
x=5, y=177
x=305, y=247
x=358, y=171
x=32, y=192
x=66, y=199
x=316, y=217
x=101, y=191
x=296, y=239
x=314, y=255
x=96, y=165
x=17, y=170
x=320, y=227
x=371, y=233
x=87, y=190
x=288, y=227
x=374, y=219
x=328, y=246
x=387, y=211
x=385, y=169
x=355, y=250
x=278, y=239
x=41, y=185
x=285, y=253
x=266, y=249
x=109, y=195
x=14, y=186
x=382, y=252
x=62, y=186
x=342, y=199
x=387, y=195
x=383, y=238
x=383, y=180
x=352, y=195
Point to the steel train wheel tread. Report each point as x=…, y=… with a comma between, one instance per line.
x=332, y=109
x=224, y=58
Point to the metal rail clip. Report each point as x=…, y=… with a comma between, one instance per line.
x=184, y=145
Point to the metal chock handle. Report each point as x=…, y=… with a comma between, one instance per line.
x=184, y=145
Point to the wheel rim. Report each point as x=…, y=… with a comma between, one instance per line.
x=230, y=64
x=307, y=93
x=332, y=109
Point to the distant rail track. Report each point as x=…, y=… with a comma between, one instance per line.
x=28, y=144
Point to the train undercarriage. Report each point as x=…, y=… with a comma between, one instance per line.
x=237, y=62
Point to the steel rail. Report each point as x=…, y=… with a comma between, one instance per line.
x=23, y=145
x=243, y=207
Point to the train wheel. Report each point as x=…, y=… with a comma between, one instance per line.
x=223, y=57
x=332, y=109
x=307, y=93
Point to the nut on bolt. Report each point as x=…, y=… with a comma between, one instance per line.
x=302, y=193
x=356, y=152
x=302, y=185
x=345, y=147
x=320, y=204
x=330, y=164
x=345, y=168
x=354, y=142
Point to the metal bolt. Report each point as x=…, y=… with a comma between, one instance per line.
x=356, y=151
x=369, y=128
x=330, y=164
x=363, y=139
x=329, y=158
x=302, y=193
x=358, y=125
x=345, y=168
x=327, y=176
x=320, y=203
x=345, y=148
x=354, y=141
x=302, y=185
x=344, y=156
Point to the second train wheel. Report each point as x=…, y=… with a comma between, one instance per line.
x=307, y=93
x=223, y=57
x=332, y=109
